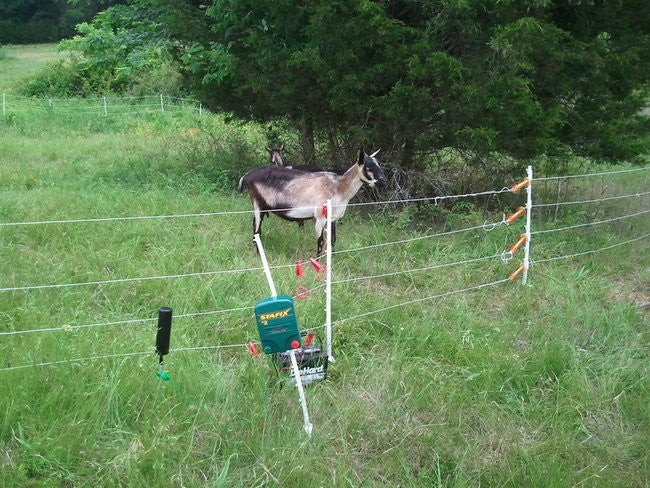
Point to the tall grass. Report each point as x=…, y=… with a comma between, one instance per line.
x=540, y=386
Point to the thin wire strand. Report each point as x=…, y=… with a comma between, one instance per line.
x=119, y=355
x=466, y=229
x=591, y=223
x=143, y=278
x=82, y=326
x=436, y=199
x=566, y=256
x=454, y=292
x=593, y=174
x=76, y=360
x=133, y=321
x=142, y=217
x=617, y=197
x=237, y=212
x=121, y=322
x=486, y=258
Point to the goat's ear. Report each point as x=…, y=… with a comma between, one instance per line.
x=282, y=147
x=362, y=154
x=269, y=150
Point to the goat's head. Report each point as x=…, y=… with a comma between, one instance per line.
x=371, y=172
x=276, y=155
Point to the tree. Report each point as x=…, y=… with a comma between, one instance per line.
x=27, y=21
x=483, y=76
x=522, y=78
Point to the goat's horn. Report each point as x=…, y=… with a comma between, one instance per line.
x=375, y=153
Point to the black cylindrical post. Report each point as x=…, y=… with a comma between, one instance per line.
x=164, y=331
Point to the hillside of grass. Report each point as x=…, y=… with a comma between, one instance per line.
x=19, y=61
x=506, y=386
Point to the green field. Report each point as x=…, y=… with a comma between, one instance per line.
x=506, y=386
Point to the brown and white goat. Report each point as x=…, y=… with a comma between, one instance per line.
x=298, y=195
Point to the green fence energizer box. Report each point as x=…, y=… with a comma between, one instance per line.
x=277, y=324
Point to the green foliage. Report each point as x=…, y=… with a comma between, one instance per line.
x=485, y=78
x=122, y=50
x=58, y=79
x=413, y=77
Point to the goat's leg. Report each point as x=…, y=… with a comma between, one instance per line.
x=333, y=233
x=320, y=226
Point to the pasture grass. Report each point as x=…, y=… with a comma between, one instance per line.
x=509, y=386
x=20, y=61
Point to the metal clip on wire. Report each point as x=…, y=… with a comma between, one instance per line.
x=490, y=227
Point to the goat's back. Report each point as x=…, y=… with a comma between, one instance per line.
x=279, y=186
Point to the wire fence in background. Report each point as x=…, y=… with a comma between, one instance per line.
x=98, y=106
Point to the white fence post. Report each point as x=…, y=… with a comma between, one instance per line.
x=328, y=284
x=265, y=264
x=162, y=105
x=105, y=108
x=301, y=393
x=529, y=208
x=200, y=109
x=292, y=352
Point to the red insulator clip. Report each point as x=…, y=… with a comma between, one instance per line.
x=298, y=268
x=310, y=337
x=324, y=210
x=301, y=292
x=317, y=266
x=252, y=349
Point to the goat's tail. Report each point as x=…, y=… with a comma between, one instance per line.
x=240, y=185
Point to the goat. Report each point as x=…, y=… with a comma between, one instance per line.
x=297, y=195
x=276, y=155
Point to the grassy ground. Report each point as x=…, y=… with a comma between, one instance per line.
x=541, y=386
x=17, y=62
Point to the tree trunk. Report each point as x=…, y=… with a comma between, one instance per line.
x=408, y=153
x=307, y=139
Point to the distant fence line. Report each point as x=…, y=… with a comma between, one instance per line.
x=102, y=106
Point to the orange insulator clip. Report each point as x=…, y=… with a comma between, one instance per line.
x=515, y=247
x=521, y=211
x=514, y=275
x=520, y=186
x=298, y=268
x=324, y=210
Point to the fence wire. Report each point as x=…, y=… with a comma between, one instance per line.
x=121, y=355
x=597, y=222
x=577, y=202
x=346, y=319
x=586, y=175
x=566, y=256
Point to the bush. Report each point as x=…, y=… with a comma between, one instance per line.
x=57, y=79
